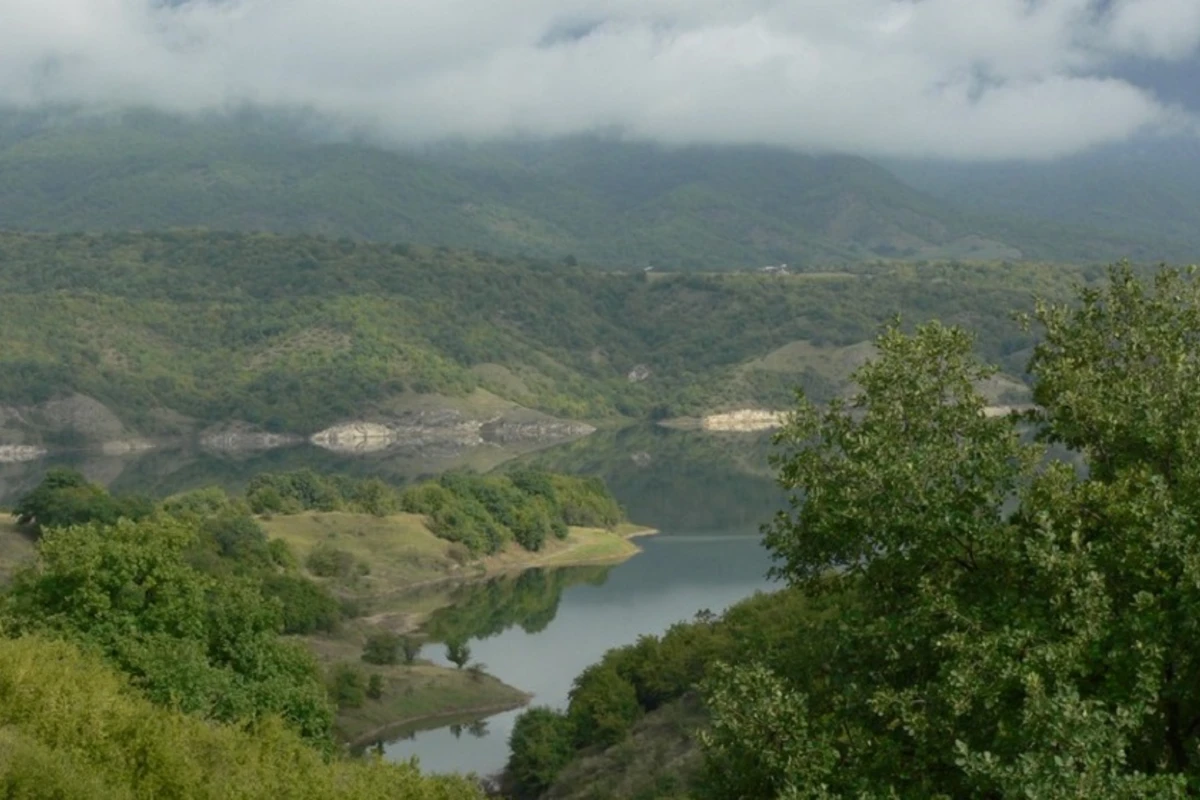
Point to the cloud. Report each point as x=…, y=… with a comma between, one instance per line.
x=970, y=79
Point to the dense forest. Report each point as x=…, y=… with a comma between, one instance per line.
x=964, y=615
x=605, y=201
x=171, y=330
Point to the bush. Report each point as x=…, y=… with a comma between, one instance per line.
x=346, y=687
x=382, y=648
x=411, y=648
x=307, y=607
x=375, y=686
x=603, y=707
x=327, y=561
x=541, y=744
x=458, y=652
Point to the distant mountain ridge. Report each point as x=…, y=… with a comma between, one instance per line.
x=604, y=201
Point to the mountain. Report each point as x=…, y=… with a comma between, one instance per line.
x=602, y=201
x=164, y=334
x=1139, y=192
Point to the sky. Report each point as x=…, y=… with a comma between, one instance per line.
x=959, y=79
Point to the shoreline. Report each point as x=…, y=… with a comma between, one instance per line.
x=439, y=719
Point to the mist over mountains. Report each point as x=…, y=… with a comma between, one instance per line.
x=606, y=200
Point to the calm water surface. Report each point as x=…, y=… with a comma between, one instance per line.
x=677, y=575
x=706, y=493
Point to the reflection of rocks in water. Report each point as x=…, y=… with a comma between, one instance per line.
x=641, y=458
x=20, y=453
x=240, y=437
x=446, y=432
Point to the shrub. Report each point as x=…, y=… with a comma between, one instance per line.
x=327, y=561
x=346, y=687
x=382, y=648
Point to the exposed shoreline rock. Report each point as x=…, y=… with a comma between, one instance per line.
x=446, y=430
x=20, y=453
x=746, y=420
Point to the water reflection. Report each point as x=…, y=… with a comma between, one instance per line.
x=673, y=579
x=528, y=600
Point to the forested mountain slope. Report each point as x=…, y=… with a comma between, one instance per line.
x=604, y=201
x=294, y=333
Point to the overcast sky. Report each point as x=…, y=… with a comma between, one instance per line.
x=975, y=79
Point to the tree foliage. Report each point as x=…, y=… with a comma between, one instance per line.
x=71, y=728
x=1011, y=627
x=192, y=641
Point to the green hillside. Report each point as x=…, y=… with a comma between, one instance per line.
x=185, y=329
x=605, y=202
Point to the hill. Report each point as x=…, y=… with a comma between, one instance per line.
x=1149, y=191
x=168, y=334
x=603, y=201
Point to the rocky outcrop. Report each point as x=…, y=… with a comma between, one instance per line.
x=746, y=420
x=445, y=432
x=19, y=453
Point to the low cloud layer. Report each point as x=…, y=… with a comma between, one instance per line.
x=972, y=79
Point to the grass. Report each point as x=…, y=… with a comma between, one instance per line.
x=400, y=550
x=403, y=554
x=418, y=695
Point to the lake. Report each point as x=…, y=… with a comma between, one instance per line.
x=706, y=493
x=677, y=575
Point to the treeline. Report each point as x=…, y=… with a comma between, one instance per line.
x=968, y=614
x=296, y=333
x=484, y=513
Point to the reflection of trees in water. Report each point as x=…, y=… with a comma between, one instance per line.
x=528, y=600
x=677, y=480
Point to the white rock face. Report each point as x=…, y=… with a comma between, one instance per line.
x=354, y=437
x=19, y=453
x=746, y=420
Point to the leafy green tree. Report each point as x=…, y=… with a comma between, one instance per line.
x=347, y=688
x=1003, y=624
x=458, y=652
x=65, y=497
x=759, y=743
x=327, y=561
x=382, y=648
x=189, y=640
x=540, y=745
x=306, y=606
x=375, y=686
x=603, y=706
x=411, y=648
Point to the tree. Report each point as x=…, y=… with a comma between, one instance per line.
x=382, y=648
x=458, y=652
x=603, y=706
x=188, y=640
x=540, y=745
x=346, y=687
x=1000, y=624
x=375, y=686
x=65, y=497
x=411, y=648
